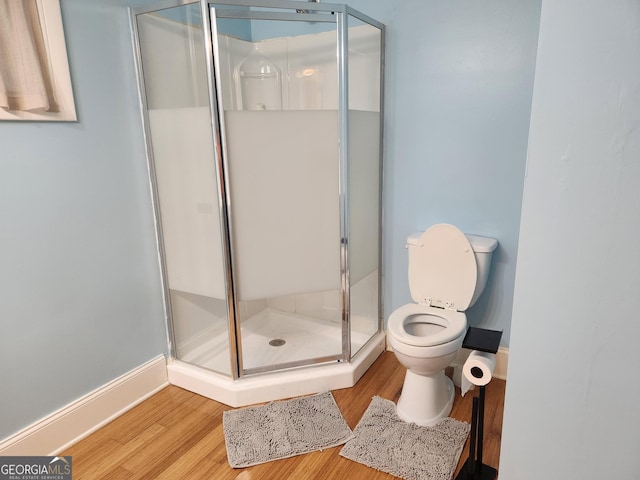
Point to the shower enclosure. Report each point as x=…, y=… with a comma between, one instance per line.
x=263, y=126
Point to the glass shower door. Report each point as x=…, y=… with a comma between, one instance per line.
x=277, y=85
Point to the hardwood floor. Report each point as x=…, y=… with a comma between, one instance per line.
x=177, y=434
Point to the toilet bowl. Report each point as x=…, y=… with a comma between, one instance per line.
x=447, y=272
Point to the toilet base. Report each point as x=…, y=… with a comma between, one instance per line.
x=425, y=399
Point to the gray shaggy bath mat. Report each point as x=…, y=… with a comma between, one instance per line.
x=283, y=429
x=384, y=442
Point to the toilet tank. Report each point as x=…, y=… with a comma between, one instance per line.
x=483, y=248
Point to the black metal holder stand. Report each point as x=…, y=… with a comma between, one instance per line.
x=474, y=469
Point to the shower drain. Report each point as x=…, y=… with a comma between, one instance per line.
x=277, y=342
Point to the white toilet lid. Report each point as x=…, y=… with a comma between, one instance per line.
x=442, y=268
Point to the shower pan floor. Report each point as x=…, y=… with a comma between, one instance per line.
x=274, y=337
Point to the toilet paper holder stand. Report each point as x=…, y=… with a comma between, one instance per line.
x=485, y=341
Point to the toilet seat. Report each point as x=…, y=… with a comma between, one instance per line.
x=454, y=323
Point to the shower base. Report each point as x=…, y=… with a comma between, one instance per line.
x=273, y=337
x=262, y=337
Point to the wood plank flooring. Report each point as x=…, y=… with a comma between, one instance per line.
x=177, y=434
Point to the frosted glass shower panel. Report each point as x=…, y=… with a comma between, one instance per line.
x=183, y=167
x=285, y=210
x=364, y=68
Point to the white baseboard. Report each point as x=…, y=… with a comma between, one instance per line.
x=58, y=431
x=502, y=363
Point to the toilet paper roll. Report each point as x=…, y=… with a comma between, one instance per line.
x=477, y=370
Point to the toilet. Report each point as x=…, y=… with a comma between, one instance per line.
x=448, y=271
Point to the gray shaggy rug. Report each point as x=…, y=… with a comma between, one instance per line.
x=384, y=442
x=283, y=429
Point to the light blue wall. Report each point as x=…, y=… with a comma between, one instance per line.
x=459, y=82
x=79, y=283
x=572, y=393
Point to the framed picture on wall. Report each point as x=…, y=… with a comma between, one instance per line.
x=35, y=83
